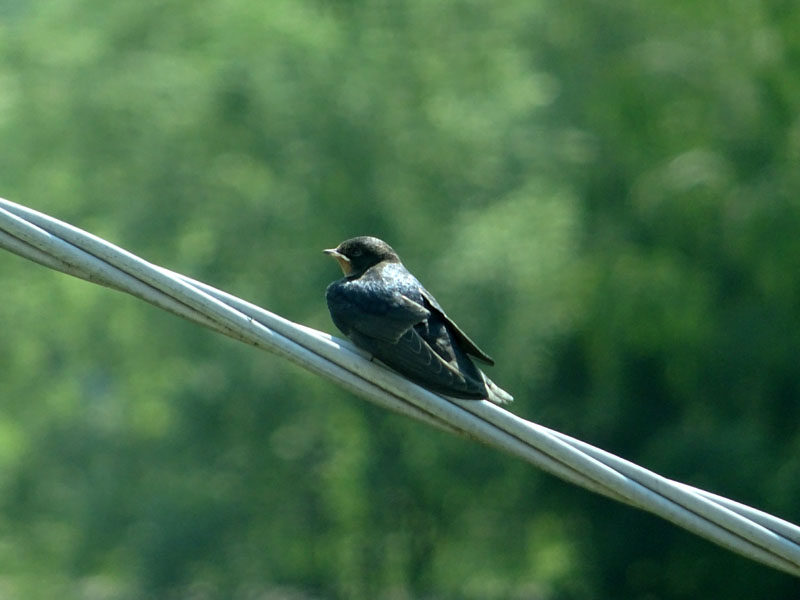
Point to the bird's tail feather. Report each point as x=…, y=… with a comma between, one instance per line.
x=496, y=394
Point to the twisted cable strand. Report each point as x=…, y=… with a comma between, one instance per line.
x=740, y=528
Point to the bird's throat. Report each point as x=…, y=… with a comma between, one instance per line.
x=347, y=268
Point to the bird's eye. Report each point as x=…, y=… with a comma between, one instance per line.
x=355, y=252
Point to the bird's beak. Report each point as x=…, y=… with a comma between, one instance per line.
x=343, y=261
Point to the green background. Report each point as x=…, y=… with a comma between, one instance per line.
x=605, y=195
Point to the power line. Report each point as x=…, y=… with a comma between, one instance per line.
x=740, y=528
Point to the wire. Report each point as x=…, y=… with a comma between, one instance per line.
x=740, y=528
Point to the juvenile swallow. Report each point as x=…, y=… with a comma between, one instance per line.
x=385, y=310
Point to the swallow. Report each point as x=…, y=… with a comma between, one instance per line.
x=386, y=311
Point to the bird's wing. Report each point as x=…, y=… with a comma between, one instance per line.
x=387, y=327
x=466, y=344
x=413, y=357
x=385, y=321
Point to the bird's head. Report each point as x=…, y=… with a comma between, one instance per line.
x=358, y=254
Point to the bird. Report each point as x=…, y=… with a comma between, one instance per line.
x=383, y=309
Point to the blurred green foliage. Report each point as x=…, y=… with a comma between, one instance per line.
x=605, y=195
